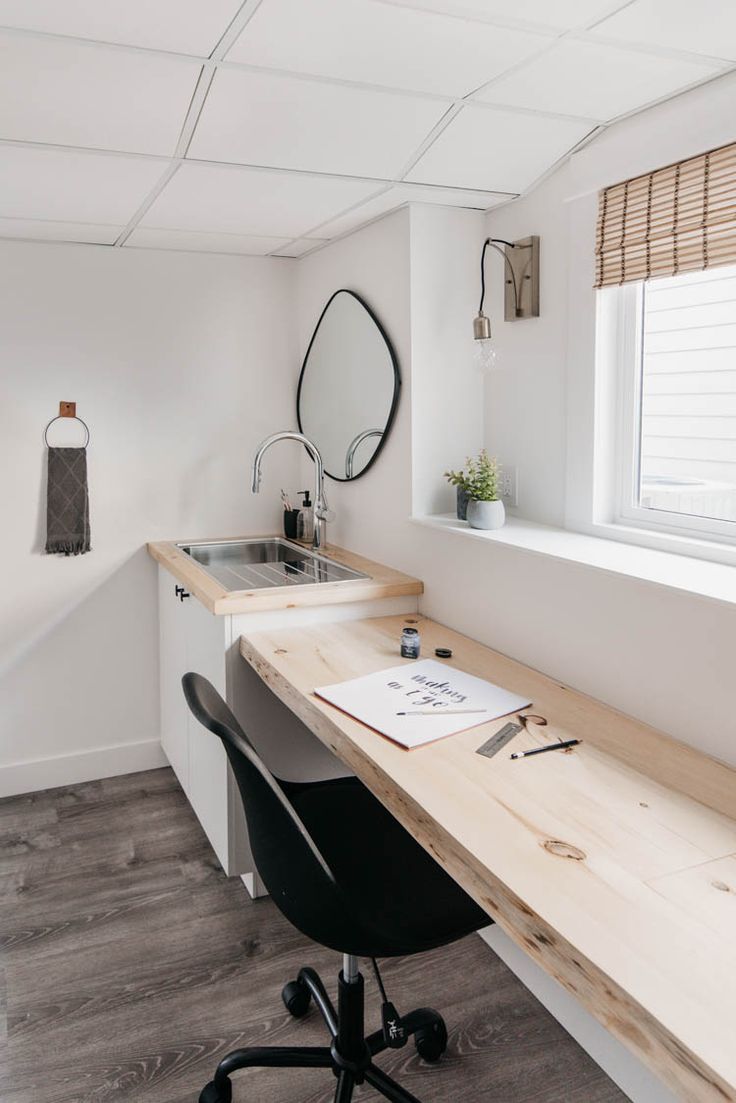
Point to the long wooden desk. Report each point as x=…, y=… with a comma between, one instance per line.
x=613, y=865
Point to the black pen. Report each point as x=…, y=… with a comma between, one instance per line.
x=549, y=747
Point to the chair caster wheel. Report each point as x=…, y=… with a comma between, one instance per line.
x=431, y=1040
x=296, y=997
x=212, y=1094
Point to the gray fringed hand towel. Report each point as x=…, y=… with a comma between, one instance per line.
x=67, y=502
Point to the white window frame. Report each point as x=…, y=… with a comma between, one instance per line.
x=627, y=304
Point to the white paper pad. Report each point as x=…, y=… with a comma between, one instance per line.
x=375, y=699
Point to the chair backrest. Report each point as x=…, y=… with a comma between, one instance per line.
x=293, y=870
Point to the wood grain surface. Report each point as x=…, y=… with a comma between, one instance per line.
x=589, y=858
x=131, y=964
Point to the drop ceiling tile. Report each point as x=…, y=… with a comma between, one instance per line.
x=380, y=44
x=195, y=241
x=299, y=248
x=58, y=231
x=71, y=93
x=94, y=188
x=283, y=122
x=492, y=149
x=595, y=81
x=706, y=27
x=408, y=193
x=561, y=14
x=154, y=24
x=377, y=205
x=218, y=199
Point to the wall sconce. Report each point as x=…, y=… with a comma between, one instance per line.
x=521, y=296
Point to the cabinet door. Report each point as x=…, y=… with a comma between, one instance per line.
x=194, y=639
x=173, y=659
x=208, y=764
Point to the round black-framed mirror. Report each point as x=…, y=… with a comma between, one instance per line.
x=349, y=387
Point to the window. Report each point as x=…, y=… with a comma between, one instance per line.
x=677, y=403
x=666, y=273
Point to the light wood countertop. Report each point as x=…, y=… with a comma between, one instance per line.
x=613, y=865
x=381, y=582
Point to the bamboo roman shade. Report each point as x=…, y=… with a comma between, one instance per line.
x=678, y=219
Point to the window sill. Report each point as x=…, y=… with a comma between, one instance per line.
x=716, y=581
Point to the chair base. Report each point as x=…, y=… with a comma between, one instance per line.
x=350, y=1056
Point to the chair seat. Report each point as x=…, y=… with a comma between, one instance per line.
x=400, y=900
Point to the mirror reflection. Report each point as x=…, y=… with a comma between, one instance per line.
x=348, y=388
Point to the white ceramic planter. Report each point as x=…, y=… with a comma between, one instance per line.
x=486, y=515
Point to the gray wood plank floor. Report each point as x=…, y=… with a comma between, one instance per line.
x=131, y=964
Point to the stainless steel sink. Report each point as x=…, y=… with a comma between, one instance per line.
x=260, y=564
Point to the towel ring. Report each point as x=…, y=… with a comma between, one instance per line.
x=59, y=418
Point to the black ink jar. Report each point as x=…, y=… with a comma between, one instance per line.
x=410, y=643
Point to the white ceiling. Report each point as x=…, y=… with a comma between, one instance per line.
x=239, y=200
x=268, y=127
x=309, y=125
x=381, y=44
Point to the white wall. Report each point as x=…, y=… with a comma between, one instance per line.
x=418, y=271
x=536, y=609
x=638, y=646
x=179, y=364
x=372, y=511
x=525, y=396
x=662, y=655
x=447, y=388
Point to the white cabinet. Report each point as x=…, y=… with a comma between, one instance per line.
x=173, y=665
x=191, y=638
x=209, y=770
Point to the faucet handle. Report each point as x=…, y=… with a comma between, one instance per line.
x=324, y=513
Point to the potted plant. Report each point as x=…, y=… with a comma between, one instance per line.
x=460, y=480
x=478, y=483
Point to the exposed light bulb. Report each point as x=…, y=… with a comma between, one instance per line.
x=484, y=352
x=485, y=355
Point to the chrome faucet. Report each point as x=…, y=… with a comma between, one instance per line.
x=353, y=446
x=320, y=502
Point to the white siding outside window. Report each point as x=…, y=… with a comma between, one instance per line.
x=677, y=383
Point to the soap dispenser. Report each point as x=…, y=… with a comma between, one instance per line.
x=305, y=520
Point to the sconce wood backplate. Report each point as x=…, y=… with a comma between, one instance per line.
x=524, y=261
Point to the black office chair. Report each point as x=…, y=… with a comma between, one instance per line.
x=349, y=876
